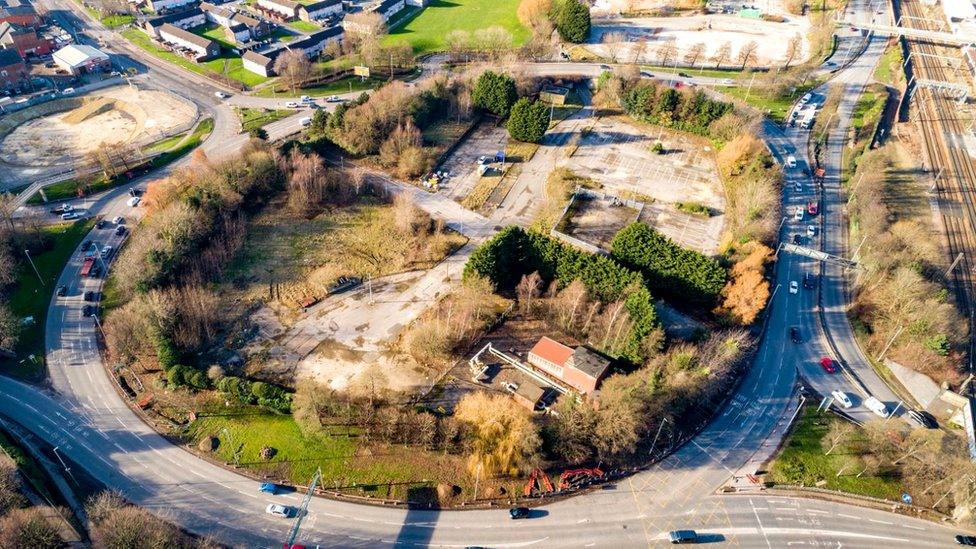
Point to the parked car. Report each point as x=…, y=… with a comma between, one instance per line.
x=89, y=296
x=120, y=230
x=965, y=540
x=69, y=216
x=811, y=231
x=828, y=365
x=119, y=220
x=305, y=99
x=279, y=510
x=812, y=208
x=62, y=291
x=809, y=281
x=222, y=95
x=101, y=224
x=795, y=334
x=794, y=287
x=518, y=513
x=269, y=488
x=684, y=75
x=876, y=406
x=797, y=239
x=922, y=419
x=68, y=91
x=791, y=161
x=798, y=214
x=89, y=310
x=333, y=99
x=842, y=398
x=511, y=387
x=134, y=201
x=292, y=105
x=683, y=536
x=107, y=252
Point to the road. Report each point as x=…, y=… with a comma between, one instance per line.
x=95, y=429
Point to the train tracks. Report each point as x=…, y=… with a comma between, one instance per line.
x=954, y=170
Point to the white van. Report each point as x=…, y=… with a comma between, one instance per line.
x=791, y=161
x=305, y=121
x=134, y=201
x=876, y=406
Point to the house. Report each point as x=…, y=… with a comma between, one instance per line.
x=166, y=6
x=19, y=12
x=259, y=63
x=23, y=39
x=13, y=72
x=389, y=8
x=311, y=45
x=319, y=10
x=285, y=9
x=202, y=48
x=580, y=368
x=240, y=27
x=80, y=58
x=186, y=19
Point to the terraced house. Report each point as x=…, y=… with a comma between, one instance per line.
x=312, y=45
x=183, y=19
x=200, y=48
x=282, y=9
x=240, y=27
x=319, y=10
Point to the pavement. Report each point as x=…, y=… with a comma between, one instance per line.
x=83, y=414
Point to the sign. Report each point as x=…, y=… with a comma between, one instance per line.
x=361, y=70
x=906, y=498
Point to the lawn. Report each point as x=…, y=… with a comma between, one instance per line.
x=282, y=35
x=216, y=33
x=304, y=26
x=775, y=107
x=802, y=461
x=707, y=73
x=259, y=118
x=229, y=66
x=427, y=30
x=343, y=85
x=116, y=21
x=31, y=297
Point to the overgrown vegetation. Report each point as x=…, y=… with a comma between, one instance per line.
x=117, y=524
x=660, y=104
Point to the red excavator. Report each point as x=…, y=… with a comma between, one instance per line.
x=574, y=477
x=538, y=482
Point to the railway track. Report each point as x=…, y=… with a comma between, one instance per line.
x=955, y=180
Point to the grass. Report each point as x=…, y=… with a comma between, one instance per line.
x=259, y=118
x=203, y=129
x=889, y=66
x=304, y=26
x=343, y=85
x=31, y=297
x=28, y=467
x=426, y=31
x=802, y=462
x=282, y=35
x=116, y=21
x=708, y=73
x=775, y=107
x=163, y=144
x=693, y=208
x=406, y=14
x=229, y=66
x=216, y=33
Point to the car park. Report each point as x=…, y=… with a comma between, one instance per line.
x=518, y=513
x=278, y=510
x=842, y=398
x=794, y=287
x=795, y=335
x=828, y=365
x=682, y=536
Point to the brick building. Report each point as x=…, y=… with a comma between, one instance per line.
x=581, y=368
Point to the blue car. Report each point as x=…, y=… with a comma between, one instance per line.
x=269, y=487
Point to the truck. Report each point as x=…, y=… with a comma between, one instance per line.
x=88, y=267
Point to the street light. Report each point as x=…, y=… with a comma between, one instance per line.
x=41, y=280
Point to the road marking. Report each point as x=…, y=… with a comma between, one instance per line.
x=759, y=522
x=881, y=521
x=848, y=516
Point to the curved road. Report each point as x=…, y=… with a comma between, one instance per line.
x=83, y=415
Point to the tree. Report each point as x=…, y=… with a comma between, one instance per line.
x=294, y=68
x=258, y=133
x=746, y=293
x=458, y=41
x=505, y=441
x=747, y=53
x=612, y=42
x=666, y=52
x=573, y=21
x=529, y=121
x=527, y=290
x=695, y=53
x=534, y=14
x=495, y=93
x=493, y=40
x=722, y=54
x=793, y=49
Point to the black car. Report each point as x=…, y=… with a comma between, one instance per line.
x=683, y=536
x=120, y=230
x=922, y=419
x=89, y=310
x=966, y=540
x=62, y=291
x=89, y=296
x=101, y=224
x=797, y=239
x=809, y=281
x=519, y=512
x=795, y=334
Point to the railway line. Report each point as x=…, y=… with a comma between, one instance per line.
x=955, y=179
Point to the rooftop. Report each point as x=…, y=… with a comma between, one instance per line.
x=76, y=55
x=187, y=36
x=174, y=17
x=9, y=57
x=588, y=362
x=552, y=350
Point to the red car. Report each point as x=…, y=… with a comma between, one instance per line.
x=827, y=364
x=812, y=208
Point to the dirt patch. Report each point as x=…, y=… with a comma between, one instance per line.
x=117, y=116
x=596, y=219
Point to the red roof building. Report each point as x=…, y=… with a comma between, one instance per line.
x=580, y=368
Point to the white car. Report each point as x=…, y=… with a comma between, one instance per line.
x=798, y=213
x=876, y=406
x=67, y=208
x=333, y=99
x=221, y=95
x=797, y=186
x=791, y=161
x=305, y=99
x=67, y=91
x=106, y=251
x=134, y=201
x=811, y=231
x=278, y=510
x=69, y=216
x=794, y=287
x=842, y=398
x=305, y=121
x=292, y=105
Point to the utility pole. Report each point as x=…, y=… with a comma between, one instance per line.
x=953, y=266
x=41, y=280
x=653, y=444
x=303, y=510
x=890, y=341
x=477, y=477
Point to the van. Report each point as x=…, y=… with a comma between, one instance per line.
x=791, y=161
x=305, y=121
x=876, y=406
x=134, y=201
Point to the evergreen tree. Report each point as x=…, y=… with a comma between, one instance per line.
x=528, y=121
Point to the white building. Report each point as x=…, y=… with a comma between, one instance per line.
x=319, y=10
x=163, y=6
x=79, y=58
x=203, y=48
x=284, y=8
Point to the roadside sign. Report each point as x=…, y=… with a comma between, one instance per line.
x=906, y=498
x=361, y=70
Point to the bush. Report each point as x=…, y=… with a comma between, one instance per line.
x=683, y=275
x=691, y=111
x=495, y=93
x=573, y=21
x=528, y=121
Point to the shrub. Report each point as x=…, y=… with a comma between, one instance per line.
x=495, y=93
x=528, y=121
x=573, y=21
x=691, y=111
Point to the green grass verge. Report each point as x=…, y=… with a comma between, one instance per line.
x=229, y=66
x=259, y=118
x=343, y=85
x=426, y=31
x=31, y=297
x=802, y=461
x=775, y=107
x=35, y=475
x=116, y=21
x=304, y=26
x=203, y=129
x=707, y=73
x=163, y=144
x=889, y=66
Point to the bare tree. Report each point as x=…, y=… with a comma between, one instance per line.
x=722, y=54
x=612, y=42
x=694, y=54
x=529, y=288
x=294, y=68
x=639, y=49
x=666, y=52
x=793, y=49
x=748, y=53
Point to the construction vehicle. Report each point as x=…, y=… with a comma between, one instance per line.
x=540, y=478
x=574, y=478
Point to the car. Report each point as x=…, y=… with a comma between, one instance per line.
x=269, y=488
x=67, y=91
x=811, y=231
x=794, y=287
x=67, y=208
x=798, y=187
x=305, y=99
x=922, y=419
x=876, y=406
x=107, y=252
x=278, y=510
x=812, y=208
x=333, y=99
x=292, y=105
x=134, y=201
x=798, y=214
x=809, y=281
x=62, y=291
x=518, y=513
x=828, y=365
x=101, y=224
x=305, y=122
x=684, y=75
x=483, y=161
x=89, y=310
x=795, y=335
x=797, y=239
x=682, y=536
x=645, y=74
x=222, y=95
x=120, y=230
x=119, y=220
x=728, y=82
x=791, y=161
x=842, y=398
x=806, y=99
x=966, y=540
x=69, y=215
x=511, y=387
x=89, y=296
